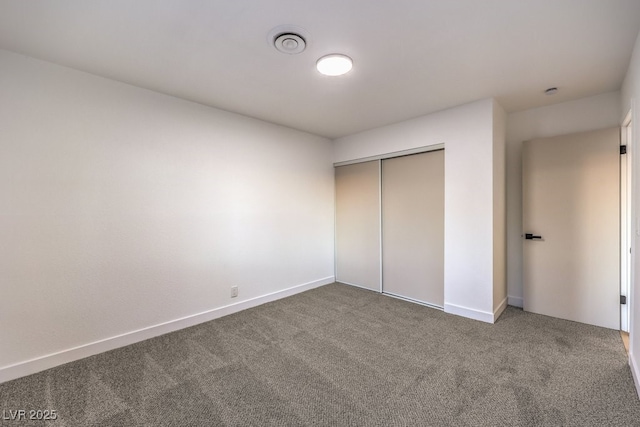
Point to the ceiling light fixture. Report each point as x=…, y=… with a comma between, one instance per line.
x=551, y=91
x=334, y=65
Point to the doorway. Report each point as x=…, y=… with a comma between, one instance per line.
x=571, y=219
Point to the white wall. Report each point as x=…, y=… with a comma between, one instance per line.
x=123, y=209
x=596, y=112
x=467, y=133
x=631, y=101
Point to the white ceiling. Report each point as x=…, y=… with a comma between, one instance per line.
x=411, y=57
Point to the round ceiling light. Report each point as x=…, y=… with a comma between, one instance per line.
x=334, y=64
x=551, y=91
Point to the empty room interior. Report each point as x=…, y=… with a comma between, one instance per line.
x=320, y=213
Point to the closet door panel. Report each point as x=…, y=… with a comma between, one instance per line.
x=358, y=224
x=413, y=227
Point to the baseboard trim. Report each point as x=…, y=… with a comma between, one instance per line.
x=498, y=311
x=635, y=372
x=470, y=313
x=11, y=372
x=515, y=301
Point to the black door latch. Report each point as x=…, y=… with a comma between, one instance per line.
x=530, y=236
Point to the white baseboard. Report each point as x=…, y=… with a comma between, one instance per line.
x=11, y=372
x=635, y=371
x=498, y=311
x=471, y=313
x=515, y=301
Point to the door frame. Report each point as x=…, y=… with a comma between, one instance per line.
x=626, y=221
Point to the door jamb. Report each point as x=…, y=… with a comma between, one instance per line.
x=626, y=224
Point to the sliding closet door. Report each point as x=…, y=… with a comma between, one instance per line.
x=413, y=227
x=358, y=224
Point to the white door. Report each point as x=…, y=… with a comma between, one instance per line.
x=413, y=227
x=571, y=218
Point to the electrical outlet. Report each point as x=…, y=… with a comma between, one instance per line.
x=234, y=291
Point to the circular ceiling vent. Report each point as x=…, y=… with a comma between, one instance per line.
x=289, y=43
x=288, y=39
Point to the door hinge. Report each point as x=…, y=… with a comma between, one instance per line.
x=623, y=299
x=623, y=149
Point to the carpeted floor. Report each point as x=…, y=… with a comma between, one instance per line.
x=342, y=356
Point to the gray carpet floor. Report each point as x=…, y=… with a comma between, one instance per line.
x=343, y=356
